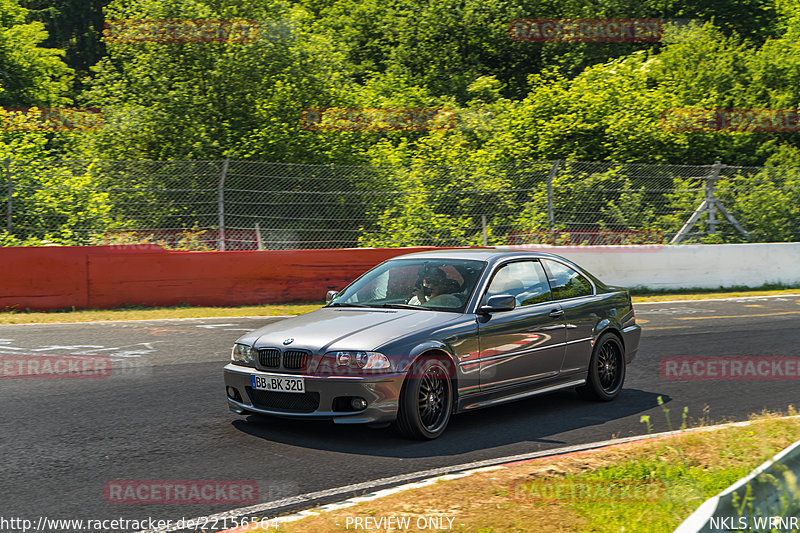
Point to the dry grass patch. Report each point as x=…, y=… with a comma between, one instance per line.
x=712, y=295
x=690, y=468
x=134, y=313
x=141, y=313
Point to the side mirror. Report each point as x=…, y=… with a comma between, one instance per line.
x=330, y=296
x=499, y=302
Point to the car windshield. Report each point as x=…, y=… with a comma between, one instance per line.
x=428, y=284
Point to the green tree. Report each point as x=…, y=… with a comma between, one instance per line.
x=215, y=100
x=76, y=26
x=445, y=45
x=30, y=75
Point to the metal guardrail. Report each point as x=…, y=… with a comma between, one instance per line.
x=767, y=499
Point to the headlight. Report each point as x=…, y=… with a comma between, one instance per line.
x=365, y=360
x=243, y=354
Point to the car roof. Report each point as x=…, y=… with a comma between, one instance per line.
x=480, y=254
x=494, y=255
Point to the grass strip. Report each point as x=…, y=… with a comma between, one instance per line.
x=768, y=289
x=143, y=313
x=186, y=311
x=641, y=297
x=551, y=495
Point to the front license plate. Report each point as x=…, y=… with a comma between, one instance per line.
x=277, y=383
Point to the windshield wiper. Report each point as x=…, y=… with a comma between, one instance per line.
x=403, y=306
x=341, y=304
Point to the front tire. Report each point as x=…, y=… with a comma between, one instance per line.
x=426, y=401
x=606, y=370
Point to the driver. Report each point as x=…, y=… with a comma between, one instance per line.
x=440, y=287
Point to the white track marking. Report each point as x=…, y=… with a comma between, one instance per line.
x=59, y=348
x=738, y=298
x=127, y=351
x=674, y=311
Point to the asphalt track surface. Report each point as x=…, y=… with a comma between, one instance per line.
x=162, y=415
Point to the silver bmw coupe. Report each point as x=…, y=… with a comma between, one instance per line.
x=423, y=336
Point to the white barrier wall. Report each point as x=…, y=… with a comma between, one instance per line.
x=708, y=266
x=773, y=493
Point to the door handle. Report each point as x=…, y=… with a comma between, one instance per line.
x=556, y=313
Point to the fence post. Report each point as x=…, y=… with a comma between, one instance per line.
x=550, y=214
x=711, y=198
x=221, y=205
x=483, y=227
x=710, y=206
x=259, y=243
x=9, y=200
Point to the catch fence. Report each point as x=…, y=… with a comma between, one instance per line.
x=246, y=205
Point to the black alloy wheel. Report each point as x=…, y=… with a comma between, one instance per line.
x=426, y=401
x=606, y=370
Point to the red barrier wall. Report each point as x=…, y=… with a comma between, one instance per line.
x=112, y=276
x=43, y=278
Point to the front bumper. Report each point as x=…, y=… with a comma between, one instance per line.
x=381, y=392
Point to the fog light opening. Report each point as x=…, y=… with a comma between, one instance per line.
x=233, y=394
x=358, y=404
x=349, y=404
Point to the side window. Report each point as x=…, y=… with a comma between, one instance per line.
x=525, y=280
x=567, y=283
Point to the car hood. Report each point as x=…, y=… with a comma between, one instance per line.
x=346, y=328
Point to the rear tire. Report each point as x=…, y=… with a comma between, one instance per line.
x=606, y=370
x=426, y=400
